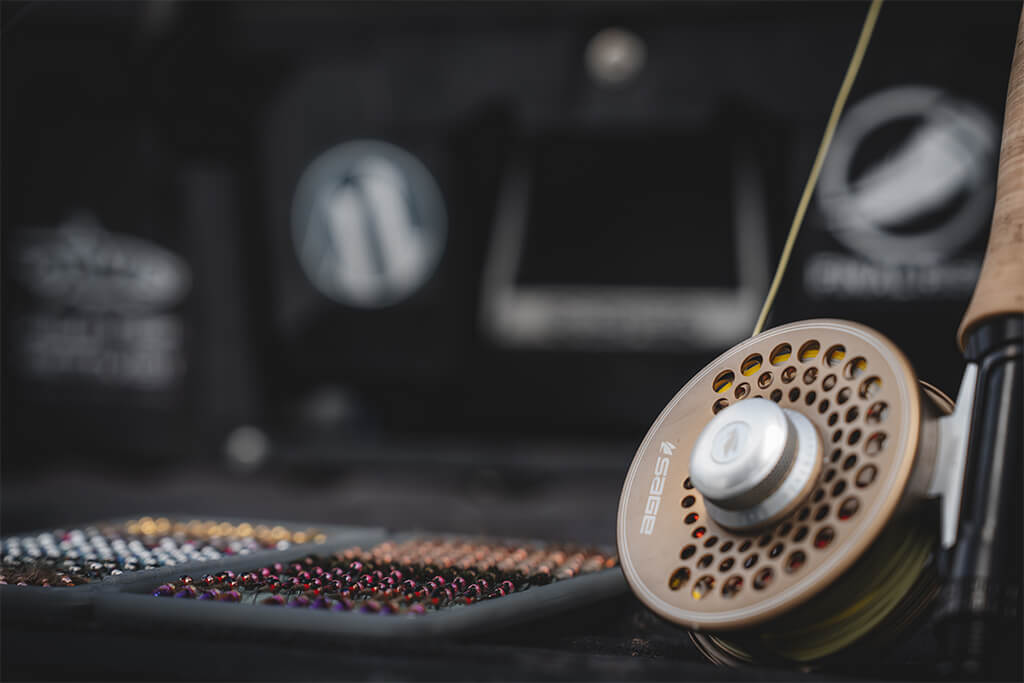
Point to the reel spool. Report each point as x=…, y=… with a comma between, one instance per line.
x=777, y=505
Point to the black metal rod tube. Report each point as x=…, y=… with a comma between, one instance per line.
x=979, y=611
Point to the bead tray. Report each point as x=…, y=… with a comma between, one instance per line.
x=210, y=535
x=34, y=603
x=134, y=605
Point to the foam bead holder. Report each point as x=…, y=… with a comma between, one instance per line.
x=403, y=585
x=52, y=574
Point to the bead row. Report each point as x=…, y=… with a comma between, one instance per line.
x=69, y=557
x=412, y=577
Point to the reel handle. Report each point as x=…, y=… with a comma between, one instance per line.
x=1000, y=288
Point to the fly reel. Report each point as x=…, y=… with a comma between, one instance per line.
x=792, y=501
x=777, y=507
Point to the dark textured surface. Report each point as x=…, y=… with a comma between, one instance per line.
x=617, y=640
x=550, y=492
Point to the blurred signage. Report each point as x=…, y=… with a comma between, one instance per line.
x=103, y=303
x=368, y=224
x=82, y=265
x=909, y=182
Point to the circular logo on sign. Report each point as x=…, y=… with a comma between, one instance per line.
x=368, y=223
x=910, y=176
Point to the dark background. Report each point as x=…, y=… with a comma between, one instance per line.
x=182, y=129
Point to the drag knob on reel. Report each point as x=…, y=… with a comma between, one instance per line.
x=778, y=501
x=754, y=462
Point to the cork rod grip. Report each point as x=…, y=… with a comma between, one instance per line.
x=1000, y=288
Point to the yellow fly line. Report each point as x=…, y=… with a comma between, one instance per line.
x=819, y=160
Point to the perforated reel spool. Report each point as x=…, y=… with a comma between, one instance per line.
x=876, y=427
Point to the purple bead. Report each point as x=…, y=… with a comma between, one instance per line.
x=164, y=590
x=231, y=596
x=342, y=605
x=370, y=606
x=418, y=609
x=186, y=593
x=320, y=603
x=301, y=601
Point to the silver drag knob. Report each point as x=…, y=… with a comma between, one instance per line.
x=754, y=462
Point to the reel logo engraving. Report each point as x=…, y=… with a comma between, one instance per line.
x=657, y=488
x=909, y=182
x=729, y=443
x=368, y=224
